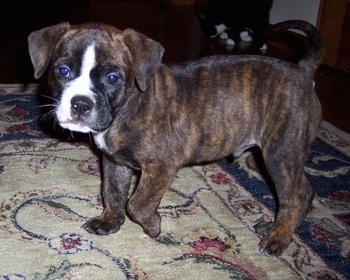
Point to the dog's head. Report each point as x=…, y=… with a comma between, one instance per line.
x=93, y=70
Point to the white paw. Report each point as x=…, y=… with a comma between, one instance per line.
x=224, y=36
x=263, y=47
x=220, y=28
x=245, y=36
x=230, y=42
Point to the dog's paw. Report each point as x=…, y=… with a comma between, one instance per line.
x=275, y=240
x=273, y=246
x=223, y=36
x=149, y=219
x=150, y=222
x=102, y=226
x=153, y=228
x=150, y=225
x=230, y=42
x=246, y=37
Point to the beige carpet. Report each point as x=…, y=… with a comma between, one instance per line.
x=50, y=188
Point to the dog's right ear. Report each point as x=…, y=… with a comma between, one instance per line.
x=41, y=43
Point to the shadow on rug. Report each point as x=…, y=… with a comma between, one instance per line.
x=49, y=188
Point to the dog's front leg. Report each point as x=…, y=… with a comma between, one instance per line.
x=115, y=189
x=143, y=205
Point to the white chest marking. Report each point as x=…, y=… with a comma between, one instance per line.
x=100, y=141
x=79, y=86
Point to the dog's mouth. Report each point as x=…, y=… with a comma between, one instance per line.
x=77, y=126
x=79, y=116
x=83, y=112
x=86, y=122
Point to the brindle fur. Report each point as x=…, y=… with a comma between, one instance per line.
x=198, y=111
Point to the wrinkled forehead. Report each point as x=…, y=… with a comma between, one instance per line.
x=108, y=45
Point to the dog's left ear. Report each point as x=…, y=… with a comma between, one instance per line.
x=41, y=44
x=146, y=54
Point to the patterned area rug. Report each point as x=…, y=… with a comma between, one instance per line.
x=50, y=187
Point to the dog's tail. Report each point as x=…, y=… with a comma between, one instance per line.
x=313, y=56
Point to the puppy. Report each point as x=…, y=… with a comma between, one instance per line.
x=147, y=116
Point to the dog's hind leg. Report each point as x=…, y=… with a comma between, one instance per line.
x=286, y=168
x=115, y=190
x=143, y=204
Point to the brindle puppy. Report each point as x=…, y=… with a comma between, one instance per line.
x=147, y=116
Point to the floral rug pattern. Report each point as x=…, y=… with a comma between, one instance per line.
x=50, y=187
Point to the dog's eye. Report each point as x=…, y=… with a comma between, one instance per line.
x=112, y=78
x=64, y=71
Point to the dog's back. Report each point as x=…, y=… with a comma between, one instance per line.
x=253, y=91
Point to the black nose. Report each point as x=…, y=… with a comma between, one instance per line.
x=81, y=105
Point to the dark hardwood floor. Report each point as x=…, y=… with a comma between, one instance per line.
x=175, y=27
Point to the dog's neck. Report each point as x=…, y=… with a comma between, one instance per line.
x=99, y=137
